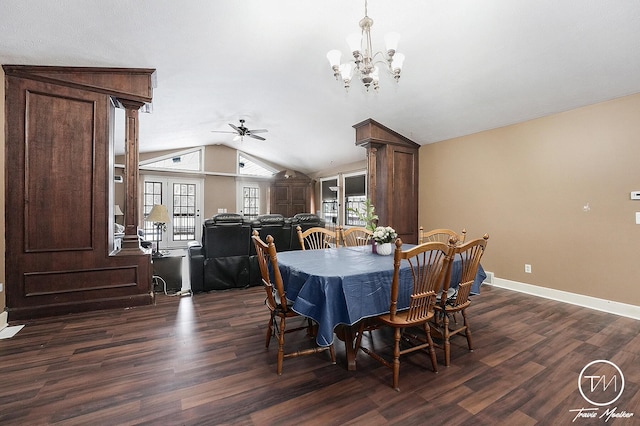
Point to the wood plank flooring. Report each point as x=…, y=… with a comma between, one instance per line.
x=201, y=360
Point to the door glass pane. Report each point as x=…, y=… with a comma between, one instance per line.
x=184, y=211
x=330, y=200
x=251, y=202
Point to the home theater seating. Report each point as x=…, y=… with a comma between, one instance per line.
x=226, y=257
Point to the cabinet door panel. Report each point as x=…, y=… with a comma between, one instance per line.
x=57, y=205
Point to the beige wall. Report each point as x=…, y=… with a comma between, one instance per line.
x=220, y=191
x=2, y=220
x=527, y=185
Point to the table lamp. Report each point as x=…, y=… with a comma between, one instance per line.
x=160, y=217
x=117, y=211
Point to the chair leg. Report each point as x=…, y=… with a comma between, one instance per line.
x=359, y=337
x=281, y=345
x=269, y=332
x=436, y=320
x=396, y=359
x=445, y=337
x=467, y=331
x=332, y=353
x=311, y=328
x=432, y=350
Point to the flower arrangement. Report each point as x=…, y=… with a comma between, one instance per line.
x=384, y=234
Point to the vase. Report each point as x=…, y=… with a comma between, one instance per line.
x=384, y=249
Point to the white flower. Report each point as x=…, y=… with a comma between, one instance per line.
x=384, y=234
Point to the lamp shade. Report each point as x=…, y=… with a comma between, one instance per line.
x=354, y=41
x=345, y=71
x=117, y=211
x=391, y=41
x=334, y=57
x=398, y=61
x=158, y=214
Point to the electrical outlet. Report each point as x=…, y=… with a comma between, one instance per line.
x=527, y=268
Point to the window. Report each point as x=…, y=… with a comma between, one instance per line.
x=329, y=188
x=354, y=198
x=250, y=166
x=251, y=201
x=190, y=160
x=338, y=199
x=152, y=195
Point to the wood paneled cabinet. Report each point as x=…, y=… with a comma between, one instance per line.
x=392, y=174
x=291, y=193
x=59, y=232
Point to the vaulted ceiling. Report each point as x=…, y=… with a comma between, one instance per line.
x=470, y=65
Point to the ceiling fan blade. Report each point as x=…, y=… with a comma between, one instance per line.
x=236, y=128
x=221, y=131
x=258, y=131
x=256, y=137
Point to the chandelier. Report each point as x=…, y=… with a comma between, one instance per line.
x=365, y=64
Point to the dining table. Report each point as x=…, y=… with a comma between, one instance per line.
x=339, y=287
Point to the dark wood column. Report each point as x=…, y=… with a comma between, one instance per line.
x=371, y=173
x=131, y=242
x=392, y=162
x=58, y=190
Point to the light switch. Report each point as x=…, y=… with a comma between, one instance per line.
x=637, y=218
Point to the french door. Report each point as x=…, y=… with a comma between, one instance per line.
x=184, y=202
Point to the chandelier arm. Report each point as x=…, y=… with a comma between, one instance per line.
x=386, y=63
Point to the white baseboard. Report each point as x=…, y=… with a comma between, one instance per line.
x=617, y=308
x=4, y=316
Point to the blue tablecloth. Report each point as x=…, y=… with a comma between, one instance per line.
x=344, y=285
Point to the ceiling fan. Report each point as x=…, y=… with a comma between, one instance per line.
x=241, y=131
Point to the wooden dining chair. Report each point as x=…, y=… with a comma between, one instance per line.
x=442, y=235
x=458, y=301
x=429, y=264
x=355, y=236
x=317, y=238
x=278, y=304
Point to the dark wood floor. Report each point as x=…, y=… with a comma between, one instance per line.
x=201, y=360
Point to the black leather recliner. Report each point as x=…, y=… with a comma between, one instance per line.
x=275, y=225
x=304, y=221
x=226, y=258
x=226, y=240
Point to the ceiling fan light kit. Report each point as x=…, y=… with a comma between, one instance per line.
x=241, y=131
x=364, y=63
